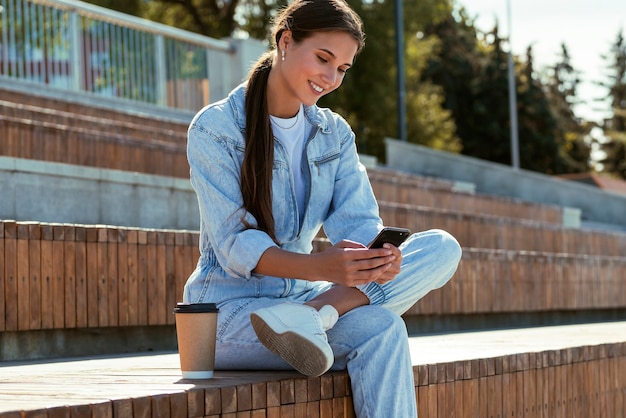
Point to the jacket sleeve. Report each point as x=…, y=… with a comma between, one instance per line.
x=215, y=163
x=354, y=211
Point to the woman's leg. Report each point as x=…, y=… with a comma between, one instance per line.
x=297, y=333
x=371, y=343
x=429, y=259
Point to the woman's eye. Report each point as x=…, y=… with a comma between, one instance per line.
x=322, y=59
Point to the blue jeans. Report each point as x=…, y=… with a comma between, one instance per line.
x=371, y=341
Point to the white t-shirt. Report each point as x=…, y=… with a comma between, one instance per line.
x=291, y=133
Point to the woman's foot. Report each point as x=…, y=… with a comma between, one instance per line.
x=297, y=333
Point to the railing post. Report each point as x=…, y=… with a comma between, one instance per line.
x=159, y=66
x=77, y=57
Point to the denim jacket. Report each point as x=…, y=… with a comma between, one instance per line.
x=338, y=193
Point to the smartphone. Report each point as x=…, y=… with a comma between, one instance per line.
x=390, y=234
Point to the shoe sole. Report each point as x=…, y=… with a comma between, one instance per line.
x=301, y=353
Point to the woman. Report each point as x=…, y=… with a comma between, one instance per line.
x=270, y=168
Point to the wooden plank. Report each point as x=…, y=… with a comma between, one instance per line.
x=47, y=277
x=196, y=402
x=541, y=375
x=102, y=284
x=178, y=405
x=23, y=278
x=171, y=297
x=80, y=251
x=123, y=313
x=142, y=407
x=142, y=277
x=422, y=405
x=161, y=306
x=153, y=303
x=508, y=396
x=244, y=397
x=69, y=249
x=160, y=406
x=58, y=276
x=287, y=391
x=259, y=395
x=132, y=268
x=432, y=394
x=520, y=404
x=180, y=266
x=483, y=397
x=92, y=277
x=229, y=399
x=34, y=261
x=551, y=387
x=273, y=394
x=112, y=277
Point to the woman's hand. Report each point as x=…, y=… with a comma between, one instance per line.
x=394, y=268
x=349, y=263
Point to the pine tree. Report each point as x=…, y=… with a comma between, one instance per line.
x=452, y=66
x=614, y=162
x=571, y=132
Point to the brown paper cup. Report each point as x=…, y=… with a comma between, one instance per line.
x=195, y=330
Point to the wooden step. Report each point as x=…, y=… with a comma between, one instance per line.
x=92, y=147
x=568, y=371
x=497, y=232
x=402, y=188
x=76, y=276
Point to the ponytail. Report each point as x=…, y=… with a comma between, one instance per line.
x=258, y=160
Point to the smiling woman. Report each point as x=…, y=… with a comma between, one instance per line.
x=270, y=168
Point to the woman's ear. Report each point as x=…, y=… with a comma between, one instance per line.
x=285, y=40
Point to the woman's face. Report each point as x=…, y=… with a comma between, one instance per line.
x=311, y=69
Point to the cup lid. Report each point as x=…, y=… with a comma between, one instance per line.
x=195, y=308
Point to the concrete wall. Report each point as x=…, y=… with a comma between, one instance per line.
x=596, y=205
x=60, y=193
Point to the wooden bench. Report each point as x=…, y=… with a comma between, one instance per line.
x=104, y=144
x=497, y=232
x=410, y=189
x=65, y=277
x=566, y=371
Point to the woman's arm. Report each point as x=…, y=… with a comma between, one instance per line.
x=346, y=263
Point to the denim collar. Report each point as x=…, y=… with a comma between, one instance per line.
x=237, y=99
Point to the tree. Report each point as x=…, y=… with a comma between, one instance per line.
x=561, y=86
x=614, y=162
x=217, y=19
x=452, y=66
x=368, y=96
x=472, y=69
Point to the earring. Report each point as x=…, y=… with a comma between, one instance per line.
x=282, y=54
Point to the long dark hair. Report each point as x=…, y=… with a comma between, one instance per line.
x=303, y=18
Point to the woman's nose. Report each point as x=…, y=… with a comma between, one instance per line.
x=330, y=77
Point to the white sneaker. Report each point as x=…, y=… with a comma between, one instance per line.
x=295, y=332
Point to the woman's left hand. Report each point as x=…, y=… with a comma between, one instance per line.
x=394, y=269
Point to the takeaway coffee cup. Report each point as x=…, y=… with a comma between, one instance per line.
x=195, y=330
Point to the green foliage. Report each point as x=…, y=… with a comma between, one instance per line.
x=368, y=96
x=614, y=162
x=561, y=83
x=472, y=69
x=456, y=82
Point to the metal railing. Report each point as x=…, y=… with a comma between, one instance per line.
x=79, y=47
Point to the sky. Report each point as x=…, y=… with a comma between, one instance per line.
x=587, y=27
